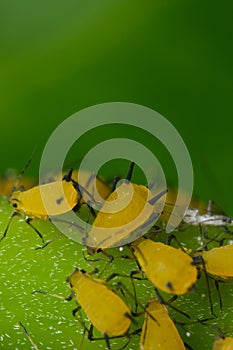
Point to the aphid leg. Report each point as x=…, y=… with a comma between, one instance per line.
x=205, y=234
x=188, y=346
x=154, y=231
x=70, y=223
x=110, y=260
x=90, y=332
x=136, y=260
x=225, y=229
x=155, y=199
x=114, y=184
x=169, y=303
x=28, y=221
x=54, y=219
x=88, y=204
x=204, y=237
x=80, y=189
x=122, y=288
x=91, y=178
x=218, y=292
x=151, y=185
x=92, y=251
x=76, y=310
x=82, y=339
x=92, y=338
x=130, y=171
x=129, y=336
x=201, y=233
x=91, y=210
x=94, y=272
x=126, y=335
x=220, y=332
x=173, y=237
x=221, y=242
x=15, y=213
x=110, y=257
x=82, y=322
x=198, y=260
x=107, y=341
x=28, y=336
x=203, y=322
x=49, y=242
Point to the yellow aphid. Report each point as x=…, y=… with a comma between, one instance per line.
x=56, y=197
x=126, y=210
x=123, y=216
x=161, y=334
x=59, y=196
x=105, y=309
x=126, y=214
x=219, y=261
x=225, y=343
x=168, y=268
x=50, y=199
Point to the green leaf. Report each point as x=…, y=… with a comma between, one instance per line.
x=49, y=321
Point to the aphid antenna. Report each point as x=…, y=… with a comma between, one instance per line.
x=28, y=336
x=51, y=295
x=127, y=179
x=23, y=170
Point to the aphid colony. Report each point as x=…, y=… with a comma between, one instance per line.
x=172, y=270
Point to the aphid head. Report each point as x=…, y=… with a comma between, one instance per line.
x=74, y=277
x=15, y=201
x=91, y=250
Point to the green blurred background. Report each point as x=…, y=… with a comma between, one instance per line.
x=59, y=57
x=175, y=57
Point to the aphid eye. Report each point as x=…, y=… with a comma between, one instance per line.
x=14, y=205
